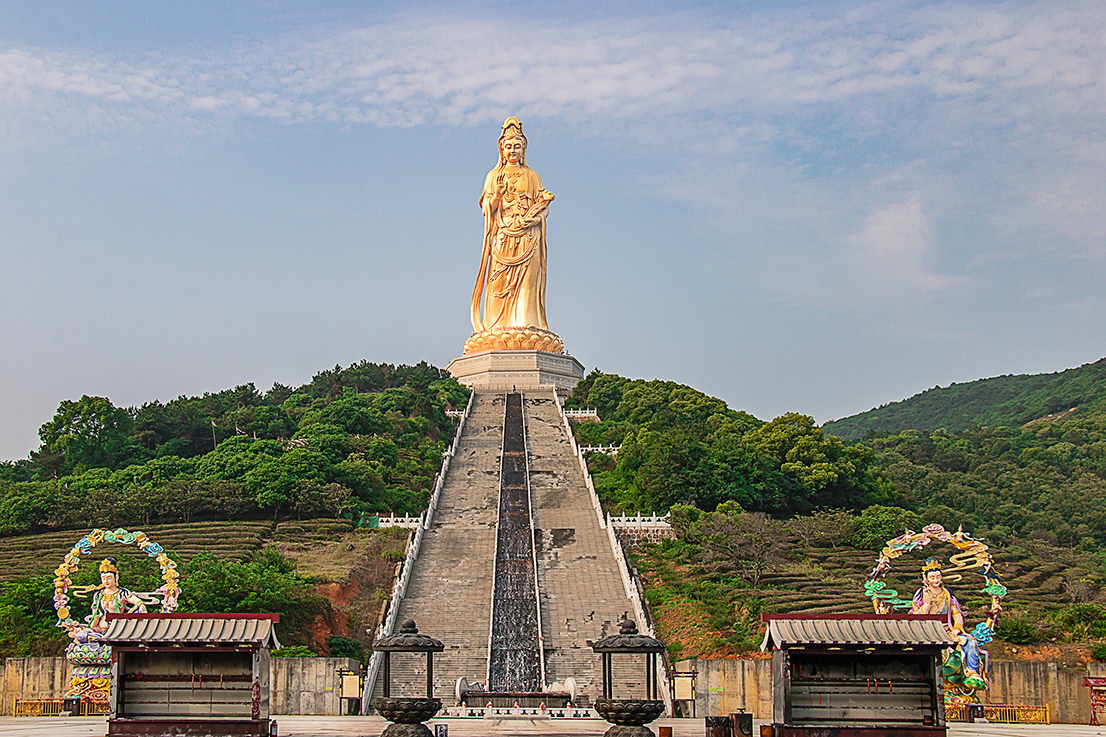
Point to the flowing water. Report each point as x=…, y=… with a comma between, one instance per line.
x=514, y=661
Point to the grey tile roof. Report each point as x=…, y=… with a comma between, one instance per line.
x=192, y=630
x=867, y=631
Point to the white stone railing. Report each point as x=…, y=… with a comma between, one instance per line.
x=581, y=413
x=645, y=626
x=583, y=464
x=405, y=522
x=611, y=450
x=640, y=522
x=436, y=495
x=399, y=586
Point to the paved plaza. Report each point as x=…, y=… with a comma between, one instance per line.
x=297, y=726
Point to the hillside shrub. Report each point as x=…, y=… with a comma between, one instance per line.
x=345, y=647
x=1019, y=631
x=393, y=555
x=265, y=583
x=877, y=524
x=294, y=651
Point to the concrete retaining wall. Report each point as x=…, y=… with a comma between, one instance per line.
x=725, y=686
x=32, y=678
x=307, y=685
x=298, y=685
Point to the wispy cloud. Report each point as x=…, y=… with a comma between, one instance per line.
x=423, y=70
x=845, y=98
x=893, y=252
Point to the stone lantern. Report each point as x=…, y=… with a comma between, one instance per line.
x=629, y=715
x=408, y=714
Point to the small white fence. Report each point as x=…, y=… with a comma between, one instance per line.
x=611, y=450
x=409, y=523
x=649, y=528
x=581, y=414
x=640, y=522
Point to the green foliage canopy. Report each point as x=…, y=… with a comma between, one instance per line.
x=267, y=583
x=367, y=438
x=679, y=445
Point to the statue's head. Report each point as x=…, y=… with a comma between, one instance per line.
x=931, y=572
x=109, y=574
x=512, y=143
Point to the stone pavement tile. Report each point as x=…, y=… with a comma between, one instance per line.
x=54, y=726
x=303, y=726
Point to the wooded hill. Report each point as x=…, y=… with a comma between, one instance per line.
x=366, y=438
x=1011, y=400
x=781, y=516
x=369, y=438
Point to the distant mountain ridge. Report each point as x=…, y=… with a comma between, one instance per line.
x=1002, y=400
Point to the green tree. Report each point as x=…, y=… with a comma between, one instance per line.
x=27, y=619
x=90, y=433
x=752, y=543
x=877, y=524
x=267, y=583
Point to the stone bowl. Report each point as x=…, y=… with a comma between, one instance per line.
x=629, y=712
x=407, y=710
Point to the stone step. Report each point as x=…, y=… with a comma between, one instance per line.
x=581, y=591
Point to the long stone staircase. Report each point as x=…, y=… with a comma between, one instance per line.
x=450, y=592
x=580, y=590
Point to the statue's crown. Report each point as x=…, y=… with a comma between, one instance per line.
x=107, y=565
x=931, y=564
x=512, y=127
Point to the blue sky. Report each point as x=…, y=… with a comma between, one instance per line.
x=815, y=208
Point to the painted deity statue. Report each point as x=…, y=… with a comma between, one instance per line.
x=90, y=658
x=965, y=664
x=88, y=654
x=109, y=598
x=510, y=286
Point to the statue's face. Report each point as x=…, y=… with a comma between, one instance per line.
x=512, y=151
x=107, y=578
x=934, y=578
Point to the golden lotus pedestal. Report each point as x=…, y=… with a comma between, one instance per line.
x=504, y=370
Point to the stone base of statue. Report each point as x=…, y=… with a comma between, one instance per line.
x=623, y=730
x=407, y=730
x=504, y=370
x=90, y=672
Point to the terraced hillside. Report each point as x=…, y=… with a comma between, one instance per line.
x=829, y=580
x=711, y=614
x=33, y=554
x=352, y=568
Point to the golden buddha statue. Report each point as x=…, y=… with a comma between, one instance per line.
x=510, y=286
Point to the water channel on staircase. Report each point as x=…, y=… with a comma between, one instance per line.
x=514, y=662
